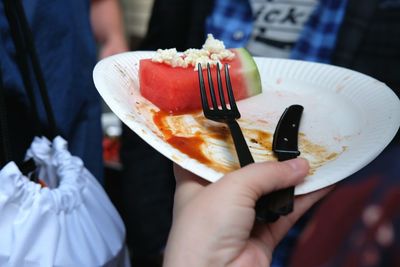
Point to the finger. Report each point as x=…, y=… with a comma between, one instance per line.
x=188, y=180
x=272, y=234
x=262, y=178
x=188, y=185
x=182, y=176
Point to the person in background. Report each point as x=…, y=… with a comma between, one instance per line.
x=64, y=34
x=108, y=28
x=360, y=35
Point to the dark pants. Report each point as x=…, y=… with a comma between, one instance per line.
x=148, y=186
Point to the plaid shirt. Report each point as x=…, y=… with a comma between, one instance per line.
x=318, y=38
x=232, y=22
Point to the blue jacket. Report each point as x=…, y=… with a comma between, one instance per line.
x=67, y=52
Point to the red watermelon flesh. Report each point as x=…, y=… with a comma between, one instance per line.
x=176, y=89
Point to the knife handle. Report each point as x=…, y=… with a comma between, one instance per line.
x=270, y=207
x=281, y=201
x=263, y=212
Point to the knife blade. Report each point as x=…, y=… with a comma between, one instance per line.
x=285, y=140
x=285, y=146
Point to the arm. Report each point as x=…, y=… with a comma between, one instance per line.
x=108, y=28
x=213, y=225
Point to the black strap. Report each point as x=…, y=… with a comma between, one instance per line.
x=22, y=61
x=6, y=154
x=27, y=61
x=26, y=167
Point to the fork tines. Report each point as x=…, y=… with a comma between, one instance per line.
x=230, y=113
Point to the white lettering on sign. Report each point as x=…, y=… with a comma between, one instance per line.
x=277, y=25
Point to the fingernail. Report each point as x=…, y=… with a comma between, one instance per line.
x=297, y=164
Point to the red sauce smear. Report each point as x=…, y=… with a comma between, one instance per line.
x=188, y=145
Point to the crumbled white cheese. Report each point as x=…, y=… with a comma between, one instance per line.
x=213, y=45
x=170, y=57
x=212, y=52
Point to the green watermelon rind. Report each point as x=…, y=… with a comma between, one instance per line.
x=253, y=78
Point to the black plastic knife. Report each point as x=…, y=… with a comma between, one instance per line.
x=285, y=147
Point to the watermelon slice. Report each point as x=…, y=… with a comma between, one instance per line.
x=176, y=89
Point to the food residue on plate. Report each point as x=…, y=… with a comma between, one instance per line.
x=210, y=142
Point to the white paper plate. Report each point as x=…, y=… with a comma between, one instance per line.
x=348, y=117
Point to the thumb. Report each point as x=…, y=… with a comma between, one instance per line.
x=265, y=177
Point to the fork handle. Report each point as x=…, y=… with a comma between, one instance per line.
x=242, y=150
x=264, y=211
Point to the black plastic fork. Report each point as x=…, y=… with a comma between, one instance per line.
x=224, y=114
x=229, y=115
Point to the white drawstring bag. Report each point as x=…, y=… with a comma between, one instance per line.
x=70, y=222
